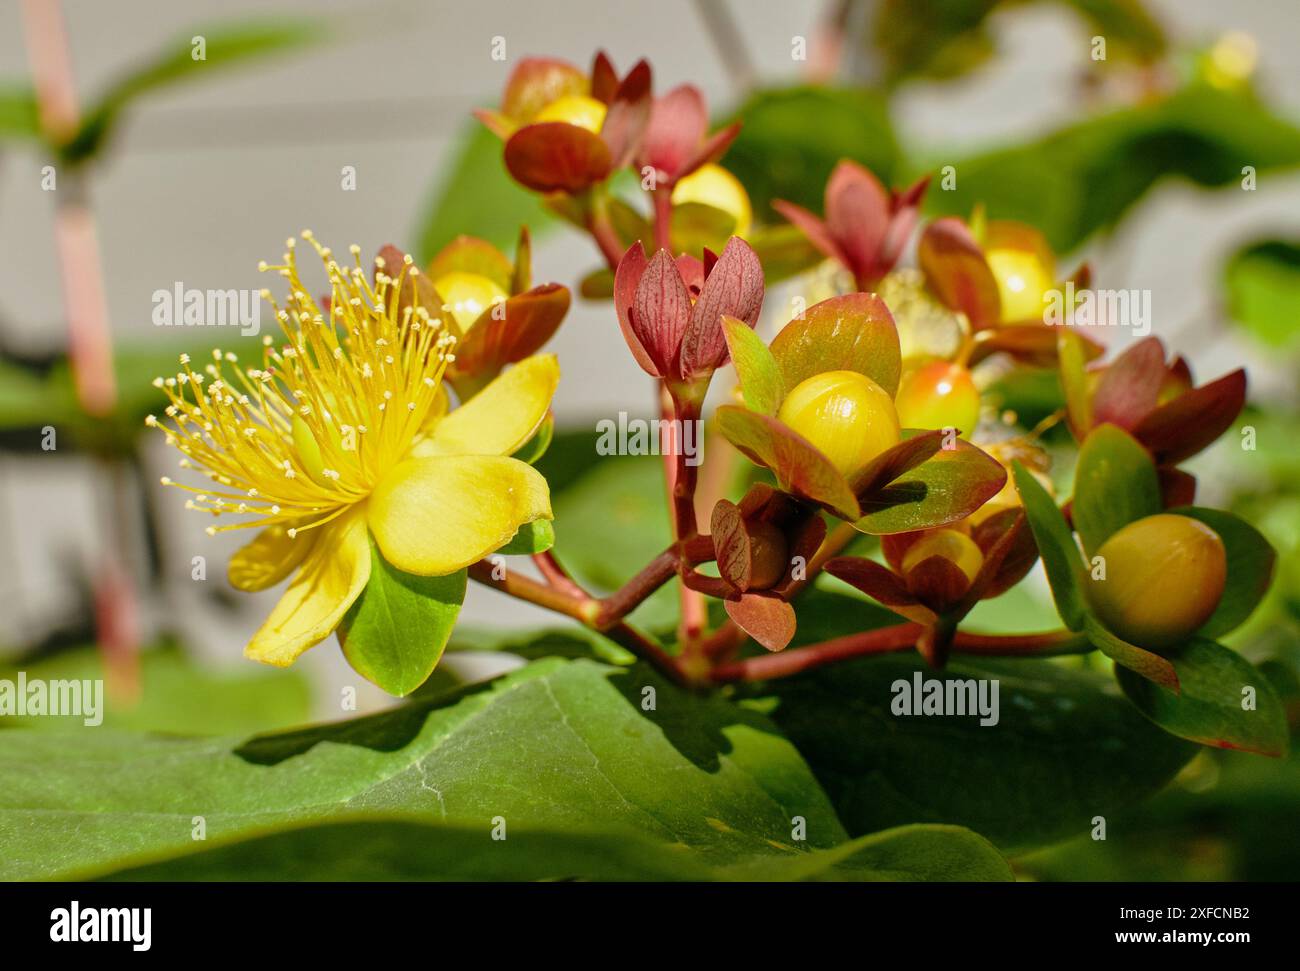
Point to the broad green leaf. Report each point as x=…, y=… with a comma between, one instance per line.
x=535, y=537
x=1250, y=568
x=1065, y=749
x=1115, y=484
x=395, y=632
x=854, y=332
x=567, y=746
x=1216, y=686
x=1262, y=281
x=945, y=488
x=224, y=45
x=477, y=197
x=395, y=849
x=1085, y=177
x=176, y=695
x=793, y=137
x=760, y=377
x=1056, y=546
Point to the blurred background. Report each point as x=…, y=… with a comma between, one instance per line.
x=189, y=172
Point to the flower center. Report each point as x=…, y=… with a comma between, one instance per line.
x=312, y=431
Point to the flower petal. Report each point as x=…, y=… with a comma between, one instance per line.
x=268, y=559
x=501, y=417
x=334, y=572
x=434, y=516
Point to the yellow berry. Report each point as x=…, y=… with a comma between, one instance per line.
x=846, y=415
x=467, y=295
x=714, y=186
x=952, y=545
x=939, y=395
x=1022, y=281
x=575, y=109
x=1164, y=576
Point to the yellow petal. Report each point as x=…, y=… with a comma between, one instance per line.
x=434, y=516
x=268, y=559
x=334, y=572
x=501, y=417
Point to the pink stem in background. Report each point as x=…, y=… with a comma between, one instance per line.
x=90, y=351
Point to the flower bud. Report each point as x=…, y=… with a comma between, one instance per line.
x=575, y=109
x=939, y=395
x=1164, y=578
x=952, y=545
x=467, y=295
x=846, y=415
x=768, y=554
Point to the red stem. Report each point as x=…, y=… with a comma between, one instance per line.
x=663, y=211
x=881, y=641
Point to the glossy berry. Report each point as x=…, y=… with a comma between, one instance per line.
x=575, y=109
x=1164, y=577
x=467, y=295
x=952, y=545
x=1022, y=281
x=846, y=415
x=939, y=395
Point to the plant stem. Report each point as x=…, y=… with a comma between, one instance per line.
x=1048, y=644
x=897, y=638
x=663, y=221
x=602, y=230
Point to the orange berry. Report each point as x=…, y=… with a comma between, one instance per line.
x=939, y=395
x=1164, y=577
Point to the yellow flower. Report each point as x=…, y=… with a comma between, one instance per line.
x=343, y=434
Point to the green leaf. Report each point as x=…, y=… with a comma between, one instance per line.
x=394, y=849
x=1139, y=660
x=945, y=488
x=535, y=537
x=1086, y=177
x=176, y=694
x=1056, y=546
x=854, y=332
x=760, y=377
x=1209, y=707
x=395, y=632
x=1262, y=282
x=225, y=45
x=1115, y=483
x=793, y=137
x=19, y=117
x=1066, y=748
x=477, y=197
x=1250, y=568
x=536, y=447
x=784, y=252
x=565, y=746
